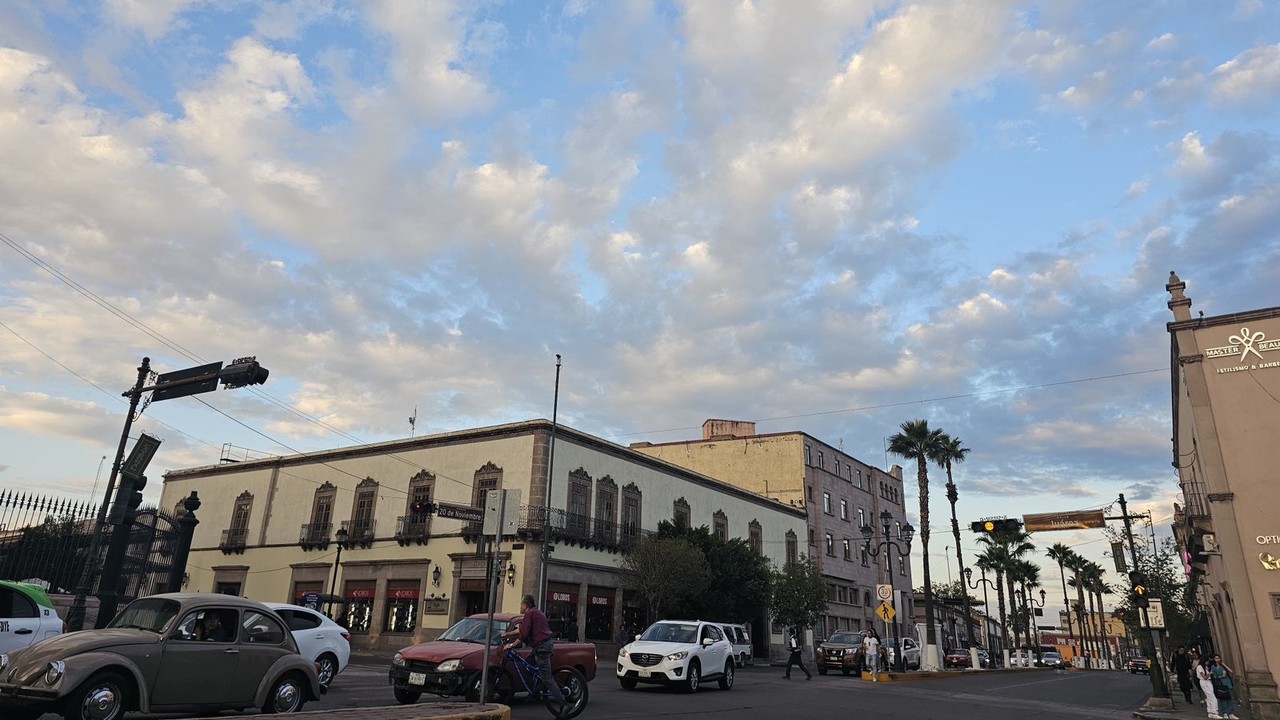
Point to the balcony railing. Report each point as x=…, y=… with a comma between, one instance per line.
x=576, y=528
x=410, y=530
x=233, y=540
x=315, y=536
x=1193, y=492
x=359, y=532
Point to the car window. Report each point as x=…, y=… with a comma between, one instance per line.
x=715, y=633
x=299, y=619
x=214, y=625
x=148, y=613
x=14, y=604
x=261, y=628
x=671, y=632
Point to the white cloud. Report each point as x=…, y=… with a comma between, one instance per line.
x=154, y=18
x=1250, y=78
x=1163, y=43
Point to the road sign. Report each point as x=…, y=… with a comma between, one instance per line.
x=1155, y=614
x=460, y=512
x=885, y=612
x=177, y=389
x=1080, y=520
x=140, y=456
x=884, y=592
x=511, y=516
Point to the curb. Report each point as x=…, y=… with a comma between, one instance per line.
x=942, y=674
x=430, y=711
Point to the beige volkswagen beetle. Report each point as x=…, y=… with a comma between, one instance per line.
x=180, y=652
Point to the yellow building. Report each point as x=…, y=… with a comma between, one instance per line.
x=270, y=529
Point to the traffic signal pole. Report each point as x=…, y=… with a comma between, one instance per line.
x=1159, y=688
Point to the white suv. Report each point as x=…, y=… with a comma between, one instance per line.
x=677, y=652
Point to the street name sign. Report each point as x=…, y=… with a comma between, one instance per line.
x=460, y=512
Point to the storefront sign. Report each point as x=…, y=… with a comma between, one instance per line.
x=1269, y=561
x=403, y=594
x=564, y=597
x=1269, y=539
x=360, y=593
x=600, y=600
x=1249, y=346
x=435, y=606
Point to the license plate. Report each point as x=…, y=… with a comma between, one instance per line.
x=646, y=673
x=416, y=678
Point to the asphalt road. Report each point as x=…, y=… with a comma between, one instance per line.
x=761, y=693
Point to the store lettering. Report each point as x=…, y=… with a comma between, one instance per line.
x=1269, y=539
x=597, y=600
x=560, y=597
x=1237, y=368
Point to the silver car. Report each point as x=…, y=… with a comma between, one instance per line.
x=181, y=652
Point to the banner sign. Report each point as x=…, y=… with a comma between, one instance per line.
x=1078, y=520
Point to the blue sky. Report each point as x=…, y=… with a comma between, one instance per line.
x=831, y=217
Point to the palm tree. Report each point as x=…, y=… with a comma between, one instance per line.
x=918, y=442
x=951, y=450
x=993, y=558
x=1061, y=553
x=1028, y=575
x=1077, y=564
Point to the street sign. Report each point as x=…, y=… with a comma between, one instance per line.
x=884, y=592
x=140, y=456
x=468, y=513
x=1155, y=614
x=510, y=518
x=182, y=389
x=885, y=612
x=1079, y=520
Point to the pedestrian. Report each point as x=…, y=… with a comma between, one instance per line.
x=572, y=631
x=871, y=653
x=535, y=632
x=1181, y=667
x=1204, y=677
x=1223, y=687
x=1195, y=663
x=793, y=656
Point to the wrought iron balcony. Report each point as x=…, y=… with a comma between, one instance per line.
x=233, y=540
x=578, y=529
x=358, y=533
x=411, y=529
x=315, y=536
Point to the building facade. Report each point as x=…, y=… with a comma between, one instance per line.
x=341, y=525
x=1225, y=373
x=838, y=494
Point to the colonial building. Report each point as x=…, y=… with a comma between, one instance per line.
x=343, y=523
x=1225, y=373
x=839, y=495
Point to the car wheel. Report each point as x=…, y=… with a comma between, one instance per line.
x=327, y=669
x=694, y=677
x=286, y=696
x=726, y=680
x=627, y=683
x=406, y=697
x=743, y=660
x=822, y=671
x=102, y=697
x=573, y=684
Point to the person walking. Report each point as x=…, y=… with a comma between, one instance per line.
x=793, y=656
x=871, y=653
x=1180, y=664
x=1204, y=677
x=1224, y=688
x=1195, y=663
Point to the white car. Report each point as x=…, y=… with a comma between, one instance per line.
x=678, y=652
x=318, y=638
x=27, y=616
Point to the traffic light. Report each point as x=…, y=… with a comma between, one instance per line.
x=1139, y=593
x=243, y=371
x=128, y=499
x=420, y=510
x=1000, y=525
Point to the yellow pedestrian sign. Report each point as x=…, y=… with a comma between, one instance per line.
x=885, y=612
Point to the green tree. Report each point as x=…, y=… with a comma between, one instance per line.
x=799, y=594
x=917, y=441
x=667, y=573
x=1163, y=574
x=730, y=564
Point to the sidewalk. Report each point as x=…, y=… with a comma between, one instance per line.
x=1181, y=710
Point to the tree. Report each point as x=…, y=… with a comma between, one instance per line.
x=917, y=441
x=1060, y=553
x=666, y=572
x=993, y=559
x=951, y=450
x=799, y=594
x=730, y=564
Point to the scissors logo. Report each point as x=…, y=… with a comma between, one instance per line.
x=1246, y=340
x=1269, y=561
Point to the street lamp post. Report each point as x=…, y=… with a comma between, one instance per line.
x=341, y=537
x=888, y=544
x=1028, y=606
x=985, y=583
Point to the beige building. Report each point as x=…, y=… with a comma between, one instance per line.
x=1226, y=420
x=838, y=493
x=270, y=529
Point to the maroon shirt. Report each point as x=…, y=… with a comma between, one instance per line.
x=534, y=628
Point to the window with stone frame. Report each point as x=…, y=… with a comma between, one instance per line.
x=755, y=537
x=831, y=545
x=813, y=538
x=631, y=497
x=488, y=477
x=680, y=513
x=362, y=511
x=848, y=549
x=864, y=556
x=606, y=518
x=844, y=509
x=236, y=536
x=421, y=490
x=579, y=510
x=320, y=529
x=826, y=502
x=720, y=525
x=793, y=551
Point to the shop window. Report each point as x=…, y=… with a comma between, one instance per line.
x=359, y=611
x=402, y=606
x=562, y=607
x=599, y=614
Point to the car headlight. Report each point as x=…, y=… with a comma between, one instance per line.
x=4, y=661
x=623, y=652
x=398, y=660
x=678, y=655
x=449, y=666
x=55, y=671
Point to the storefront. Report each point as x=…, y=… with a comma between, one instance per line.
x=600, y=625
x=561, y=607
x=359, y=595
x=401, y=606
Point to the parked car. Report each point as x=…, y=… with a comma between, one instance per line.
x=452, y=663
x=1052, y=659
x=842, y=651
x=957, y=658
x=179, y=652
x=740, y=637
x=27, y=616
x=678, y=652
x=1021, y=658
x=1139, y=665
x=984, y=658
x=910, y=652
x=318, y=638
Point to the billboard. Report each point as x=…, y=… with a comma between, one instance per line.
x=1076, y=520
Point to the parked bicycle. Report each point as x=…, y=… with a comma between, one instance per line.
x=573, y=685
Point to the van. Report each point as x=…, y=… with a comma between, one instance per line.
x=740, y=636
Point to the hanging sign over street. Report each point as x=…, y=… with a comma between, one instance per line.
x=1078, y=520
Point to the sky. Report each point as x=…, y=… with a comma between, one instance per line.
x=828, y=216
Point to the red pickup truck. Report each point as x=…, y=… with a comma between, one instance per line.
x=451, y=664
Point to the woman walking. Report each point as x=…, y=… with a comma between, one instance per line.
x=1222, y=679
x=1204, y=676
